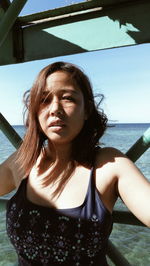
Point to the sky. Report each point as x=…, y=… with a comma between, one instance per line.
x=121, y=74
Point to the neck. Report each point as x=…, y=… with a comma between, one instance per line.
x=59, y=153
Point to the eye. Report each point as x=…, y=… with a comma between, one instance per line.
x=45, y=100
x=68, y=98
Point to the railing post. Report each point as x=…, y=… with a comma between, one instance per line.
x=10, y=133
x=141, y=145
x=9, y=18
x=116, y=257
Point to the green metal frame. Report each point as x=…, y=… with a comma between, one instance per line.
x=141, y=145
x=9, y=132
x=9, y=18
x=83, y=27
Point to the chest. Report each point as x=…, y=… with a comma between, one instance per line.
x=75, y=190
x=71, y=195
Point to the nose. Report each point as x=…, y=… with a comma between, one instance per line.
x=55, y=107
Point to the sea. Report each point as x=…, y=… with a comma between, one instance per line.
x=132, y=241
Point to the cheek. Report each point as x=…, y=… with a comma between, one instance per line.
x=41, y=120
x=78, y=119
x=77, y=109
x=77, y=114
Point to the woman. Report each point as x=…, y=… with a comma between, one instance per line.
x=66, y=184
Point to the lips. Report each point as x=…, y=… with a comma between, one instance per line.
x=56, y=123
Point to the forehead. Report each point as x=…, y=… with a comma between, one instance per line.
x=61, y=81
x=57, y=78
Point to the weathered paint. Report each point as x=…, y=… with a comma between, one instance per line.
x=10, y=132
x=141, y=145
x=114, y=28
x=146, y=137
x=9, y=18
x=94, y=31
x=119, y=25
x=6, y=51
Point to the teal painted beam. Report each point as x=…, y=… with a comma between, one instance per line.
x=116, y=24
x=9, y=18
x=115, y=255
x=9, y=132
x=84, y=6
x=79, y=7
x=6, y=51
x=141, y=145
x=3, y=203
x=121, y=26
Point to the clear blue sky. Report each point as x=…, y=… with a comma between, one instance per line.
x=121, y=74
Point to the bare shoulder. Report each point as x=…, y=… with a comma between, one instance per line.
x=106, y=174
x=113, y=161
x=108, y=156
x=116, y=165
x=106, y=165
x=109, y=165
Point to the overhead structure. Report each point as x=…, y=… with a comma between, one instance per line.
x=83, y=27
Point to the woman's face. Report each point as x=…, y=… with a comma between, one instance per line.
x=62, y=110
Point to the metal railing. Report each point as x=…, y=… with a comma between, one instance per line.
x=122, y=217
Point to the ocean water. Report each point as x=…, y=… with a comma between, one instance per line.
x=132, y=241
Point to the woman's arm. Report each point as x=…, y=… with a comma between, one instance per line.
x=134, y=189
x=118, y=176
x=7, y=178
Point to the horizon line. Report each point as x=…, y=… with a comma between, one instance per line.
x=108, y=123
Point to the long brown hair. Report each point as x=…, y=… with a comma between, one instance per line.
x=84, y=144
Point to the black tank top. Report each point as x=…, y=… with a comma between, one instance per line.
x=44, y=236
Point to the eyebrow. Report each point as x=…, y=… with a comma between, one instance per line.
x=47, y=92
x=68, y=90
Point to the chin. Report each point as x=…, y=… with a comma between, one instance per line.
x=61, y=137
x=60, y=140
